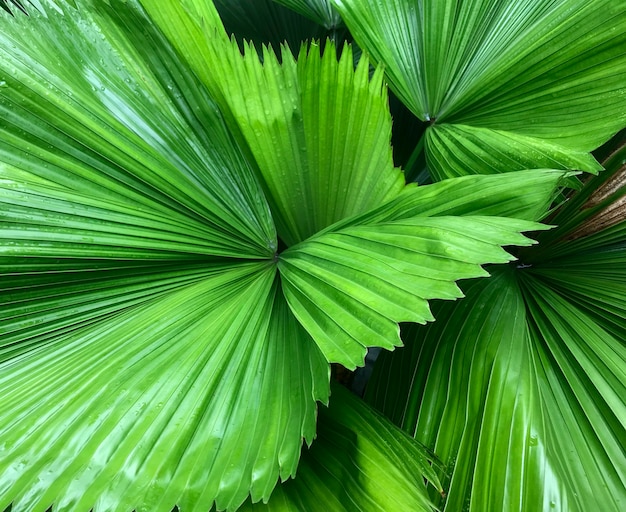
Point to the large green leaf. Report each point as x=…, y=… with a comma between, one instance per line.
x=525, y=419
x=457, y=150
x=95, y=115
x=359, y=461
x=521, y=391
x=323, y=166
x=352, y=283
x=148, y=355
x=334, y=284
x=544, y=69
x=329, y=126
x=227, y=418
x=120, y=187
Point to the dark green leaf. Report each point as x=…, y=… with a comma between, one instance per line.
x=521, y=391
x=320, y=11
x=359, y=461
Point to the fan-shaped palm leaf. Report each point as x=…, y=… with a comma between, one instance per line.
x=359, y=460
x=149, y=356
x=536, y=80
x=521, y=391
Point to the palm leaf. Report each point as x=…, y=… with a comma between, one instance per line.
x=120, y=189
x=98, y=121
x=335, y=288
x=359, y=460
x=148, y=354
x=226, y=420
x=529, y=71
x=521, y=391
x=457, y=150
x=306, y=108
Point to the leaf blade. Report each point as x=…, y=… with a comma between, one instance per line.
x=181, y=425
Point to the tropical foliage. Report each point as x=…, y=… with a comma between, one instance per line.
x=193, y=228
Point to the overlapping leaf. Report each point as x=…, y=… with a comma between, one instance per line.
x=457, y=150
x=329, y=125
x=120, y=188
x=330, y=128
x=521, y=391
x=148, y=354
x=359, y=460
x=224, y=420
x=91, y=115
x=538, y=69
x=335, y=287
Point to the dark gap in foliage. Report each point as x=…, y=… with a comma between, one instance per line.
x=282, y=246
x=264, y=22
x=363, y=374
x=342, y=375
x=406, y=133
x=6, y=5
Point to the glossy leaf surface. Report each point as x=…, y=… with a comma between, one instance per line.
x=335, y=287
x=548, y=70
x=150, y=353
x=359, y=460
x=226, y=419
x=330, y=129
x=521, y=392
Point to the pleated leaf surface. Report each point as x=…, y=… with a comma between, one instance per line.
x=359, y=460
x=199, y=395
x=336, y=289
x=548, y=70
x=143, y=324
x=150, y=354
x=352, y=283
x=323, y=166
x=521, y=391
x=329, y=125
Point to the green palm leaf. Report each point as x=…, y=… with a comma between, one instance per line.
x=307, y=109
x=224, y=421
x=529, y=71
x=99, y=121
x=457, y=150
x=335, y=288
x=521, y=391
x=148, y=353
x=359, y=460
